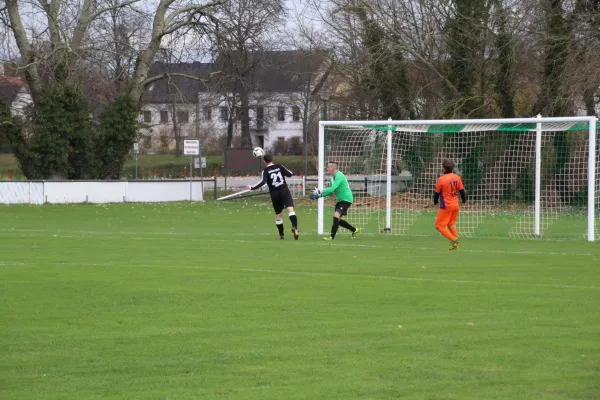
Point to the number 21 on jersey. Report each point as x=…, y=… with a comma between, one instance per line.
x=276, y=179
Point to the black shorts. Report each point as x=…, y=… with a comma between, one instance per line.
x=342, y=207
x=281, y=198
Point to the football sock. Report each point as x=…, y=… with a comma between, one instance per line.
x=453, y=231
x=294, y=220
x=334, y=227
x=279, y=224
x=345, y=224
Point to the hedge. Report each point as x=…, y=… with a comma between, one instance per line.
x=214, y=164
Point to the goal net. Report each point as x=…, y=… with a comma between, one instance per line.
x=536, y=177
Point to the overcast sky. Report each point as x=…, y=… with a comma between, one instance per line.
x=297, y=13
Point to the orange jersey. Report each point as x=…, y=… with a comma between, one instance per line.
x=447, y=187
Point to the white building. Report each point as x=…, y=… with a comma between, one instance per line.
x=14, y=93
x=193, y=101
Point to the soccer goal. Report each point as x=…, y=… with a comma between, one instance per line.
x=528, y=177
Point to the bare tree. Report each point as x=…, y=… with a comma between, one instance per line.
x=116, y=36
x=239, y=39
x=67, y=28
x=315, y=83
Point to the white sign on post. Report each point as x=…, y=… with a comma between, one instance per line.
x=203, y=162
x=196, y=162
x=136, y=148
x=191, y=147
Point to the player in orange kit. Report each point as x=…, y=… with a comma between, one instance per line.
x=448, y=187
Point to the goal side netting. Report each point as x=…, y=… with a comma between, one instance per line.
x=536, y=177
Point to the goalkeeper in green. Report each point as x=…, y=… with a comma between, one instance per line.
x=338, y=184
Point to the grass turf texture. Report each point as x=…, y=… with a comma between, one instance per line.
x=187, y=301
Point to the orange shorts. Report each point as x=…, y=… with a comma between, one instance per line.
x=446, y=217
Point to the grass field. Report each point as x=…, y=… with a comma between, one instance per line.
x=203, y=301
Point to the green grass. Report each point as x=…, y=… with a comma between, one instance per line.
x=202, y=301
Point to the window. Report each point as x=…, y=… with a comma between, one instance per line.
x=260, y=117
x=183, y=117
x=280, y=113
x=164, y=117
x=207, y=111
x=296, y=114
x=147, y=117
x=147, y=142
x=165, y=144
x=224, y=113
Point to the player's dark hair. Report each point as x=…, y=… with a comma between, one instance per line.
x=332, y=162
x=448, y=166
x=268, y=158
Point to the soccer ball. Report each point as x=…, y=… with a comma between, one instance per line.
x=258, y=152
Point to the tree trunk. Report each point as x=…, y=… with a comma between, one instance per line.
x=142, y=65
x=176, y=128
x=504, y=82
x=27, y=53
x=245, y=118
x=557, y=48
x=229, y=131
x=588, y=100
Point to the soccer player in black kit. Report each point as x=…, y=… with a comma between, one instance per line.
x=274, y=176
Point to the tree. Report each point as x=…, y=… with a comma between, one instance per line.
x=504, y=81
x=110, y=57
x=558, y=47
x=118, y=125
x=58, y=62
x=238, y=41
x=466, y=47
x=58, y=141
x=587, y=20
x=388, y=77
x=10, y=127
x=316, y=83
x=67, y=41
x=181, y=102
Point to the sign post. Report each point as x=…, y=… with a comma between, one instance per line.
x=191, y=147
x=136, y=151
x=201, y=163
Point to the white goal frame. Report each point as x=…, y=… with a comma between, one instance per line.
x=591, y=121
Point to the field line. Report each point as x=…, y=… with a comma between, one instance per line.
x=5, y=231
x=312, y=273
x=203, y=238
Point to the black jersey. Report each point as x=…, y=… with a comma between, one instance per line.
x=274, y=176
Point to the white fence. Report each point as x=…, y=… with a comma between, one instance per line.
x=40, y=192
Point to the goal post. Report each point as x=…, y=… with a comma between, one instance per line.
x=524, y=177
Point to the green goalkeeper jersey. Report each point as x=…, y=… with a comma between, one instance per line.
x=338, y=184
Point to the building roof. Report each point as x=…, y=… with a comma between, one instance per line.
x=270, y=72
x=277, y=71
x=177, y=88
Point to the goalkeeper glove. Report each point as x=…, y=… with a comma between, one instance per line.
x=316, y=193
